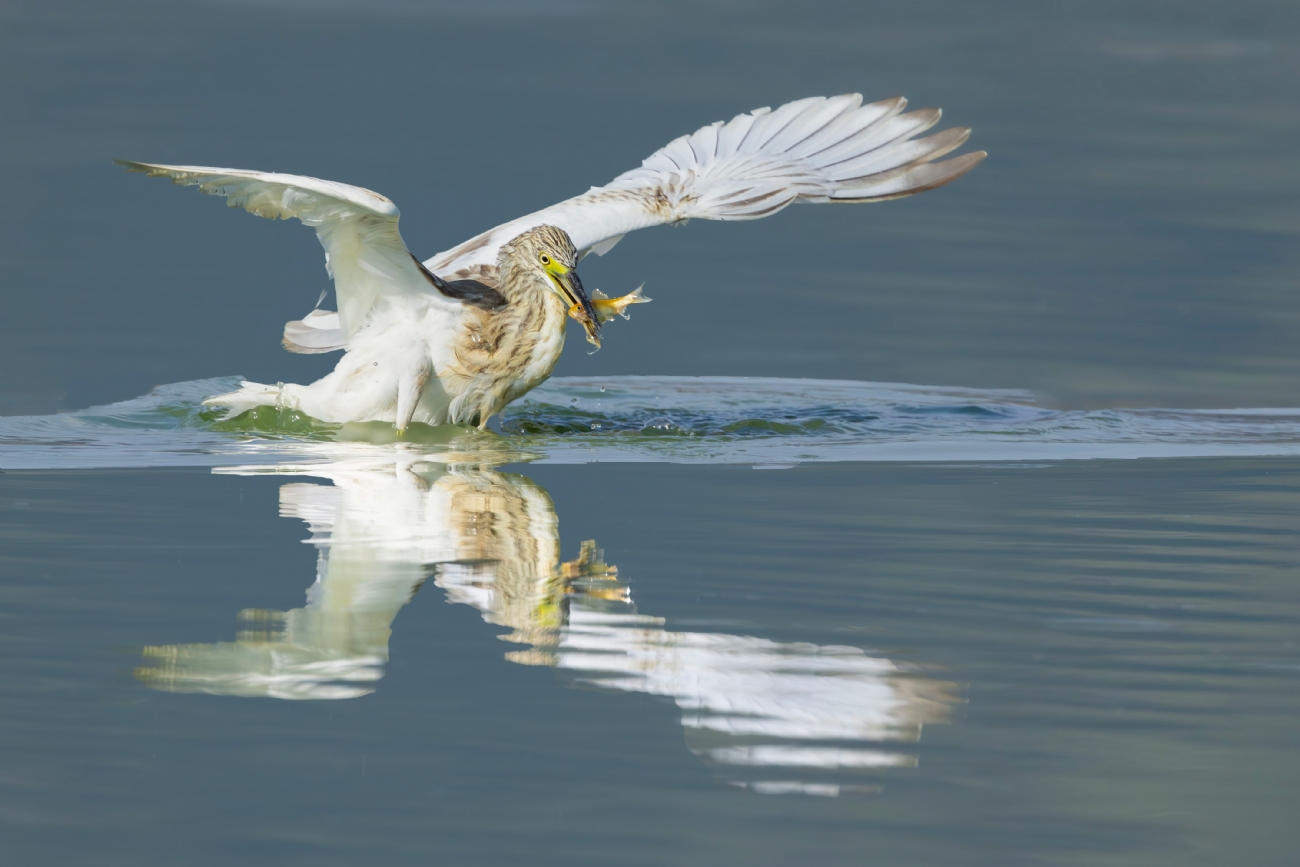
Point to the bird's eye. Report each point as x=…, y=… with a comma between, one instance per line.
x=545, y=259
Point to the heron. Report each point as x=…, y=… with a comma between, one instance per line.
x=455, y=338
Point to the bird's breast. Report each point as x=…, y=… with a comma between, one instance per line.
x=502, y=355
x=547, y=342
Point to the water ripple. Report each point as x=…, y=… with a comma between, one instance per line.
x=769, y=422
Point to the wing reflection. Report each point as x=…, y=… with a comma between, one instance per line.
x=769, y=716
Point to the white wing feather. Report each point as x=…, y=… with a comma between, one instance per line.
x=818, y=149
x=814, y=150
x=364, y=251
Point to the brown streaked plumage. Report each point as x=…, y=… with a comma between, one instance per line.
x=503, y=353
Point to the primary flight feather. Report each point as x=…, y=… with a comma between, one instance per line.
x=457, y=337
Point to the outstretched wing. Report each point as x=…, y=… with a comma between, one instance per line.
x=364, y=252
x=821, y=149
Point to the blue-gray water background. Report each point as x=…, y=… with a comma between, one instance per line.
x=1103, y=652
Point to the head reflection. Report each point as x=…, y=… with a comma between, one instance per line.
x=769, y=716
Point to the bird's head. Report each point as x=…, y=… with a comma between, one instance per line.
x=548, y=252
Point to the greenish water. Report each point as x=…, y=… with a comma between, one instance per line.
x=731, y=591
x=705, y=420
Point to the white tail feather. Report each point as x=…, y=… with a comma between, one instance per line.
x=318, y=331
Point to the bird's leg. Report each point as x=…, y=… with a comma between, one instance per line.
x=608, y=308
x=409, y=388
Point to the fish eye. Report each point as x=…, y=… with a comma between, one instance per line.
x=544, y=259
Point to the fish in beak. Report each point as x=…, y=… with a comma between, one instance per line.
x=570, y=289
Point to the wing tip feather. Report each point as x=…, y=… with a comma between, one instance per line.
x=952, y=170
x=150, y=169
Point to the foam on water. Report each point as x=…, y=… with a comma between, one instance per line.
x=762, y=422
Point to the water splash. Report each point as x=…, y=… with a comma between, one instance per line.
x=765, y=422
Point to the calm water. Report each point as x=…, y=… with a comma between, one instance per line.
x=1079, y=663
x=1038, y=606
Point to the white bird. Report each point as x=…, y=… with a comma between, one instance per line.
x=457, y=337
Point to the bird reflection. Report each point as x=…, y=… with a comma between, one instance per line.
x=768, y=716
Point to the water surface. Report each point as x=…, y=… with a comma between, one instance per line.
x=1037, y=606
x=1079, y=663
x=712, y=420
